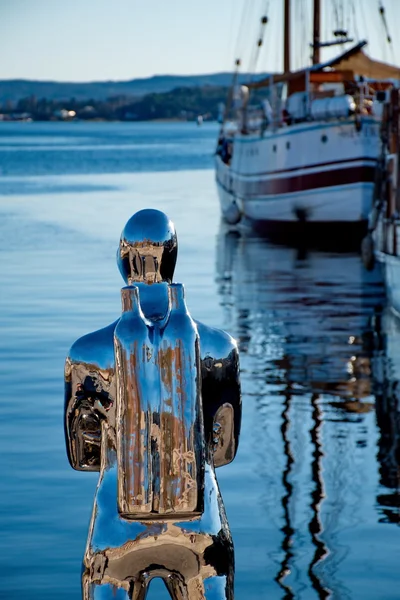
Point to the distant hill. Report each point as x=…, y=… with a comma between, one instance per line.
x=15, y=89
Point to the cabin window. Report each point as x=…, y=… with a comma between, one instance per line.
x=288, y=145
x=274, y=148
x=324, y=138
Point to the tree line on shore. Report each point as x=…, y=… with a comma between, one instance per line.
x=183, y=103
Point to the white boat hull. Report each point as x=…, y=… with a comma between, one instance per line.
x=350, y=203
x=387, y=251
x=292, y=175
x=392, y=279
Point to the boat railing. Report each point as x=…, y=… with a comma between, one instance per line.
x=359, y=99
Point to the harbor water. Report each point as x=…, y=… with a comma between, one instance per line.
x=313, y=496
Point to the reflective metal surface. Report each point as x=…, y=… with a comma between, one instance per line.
x=160, y=437
x=148, y=248
x=153, y=403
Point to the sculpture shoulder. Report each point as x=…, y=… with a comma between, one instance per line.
x=95, y=348
x=215, y=343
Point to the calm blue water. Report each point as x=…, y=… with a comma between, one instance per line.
x=82, y=148
x=313, y=495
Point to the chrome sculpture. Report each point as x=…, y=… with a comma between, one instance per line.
x=153, y=402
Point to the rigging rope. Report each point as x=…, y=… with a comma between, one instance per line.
x=297, y=40
x=341, y=9
x=353, y=11
x=255, y=35
x=305, y=34
x=385, y=25
x=267, y=53
x=260, y=41
x=363, y=16
x=386, y=28
x=336, y=13
x=229, y=47
x=242, y=32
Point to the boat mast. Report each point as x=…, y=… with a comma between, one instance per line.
x=286, y=37
x=316, y=33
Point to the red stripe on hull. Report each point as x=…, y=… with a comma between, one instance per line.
x=300, y=183
x=313, y=166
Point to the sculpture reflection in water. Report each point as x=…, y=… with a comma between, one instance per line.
x=153, y=403
x=305, y=328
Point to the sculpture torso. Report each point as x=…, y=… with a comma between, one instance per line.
x=91, y=387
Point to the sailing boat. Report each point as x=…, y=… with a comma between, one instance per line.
x=383, y=239
x=302, y=162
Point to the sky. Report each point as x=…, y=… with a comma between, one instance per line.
x=97, y=40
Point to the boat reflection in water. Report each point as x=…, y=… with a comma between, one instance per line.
x=311, y=363
x=387, y=390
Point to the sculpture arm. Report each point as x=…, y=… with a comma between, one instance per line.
x=81, y=423
x=89, y=396
x=222, y=404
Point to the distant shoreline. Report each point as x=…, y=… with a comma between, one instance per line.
x=88, y=121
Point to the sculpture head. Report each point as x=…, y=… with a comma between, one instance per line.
x=148, y=248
